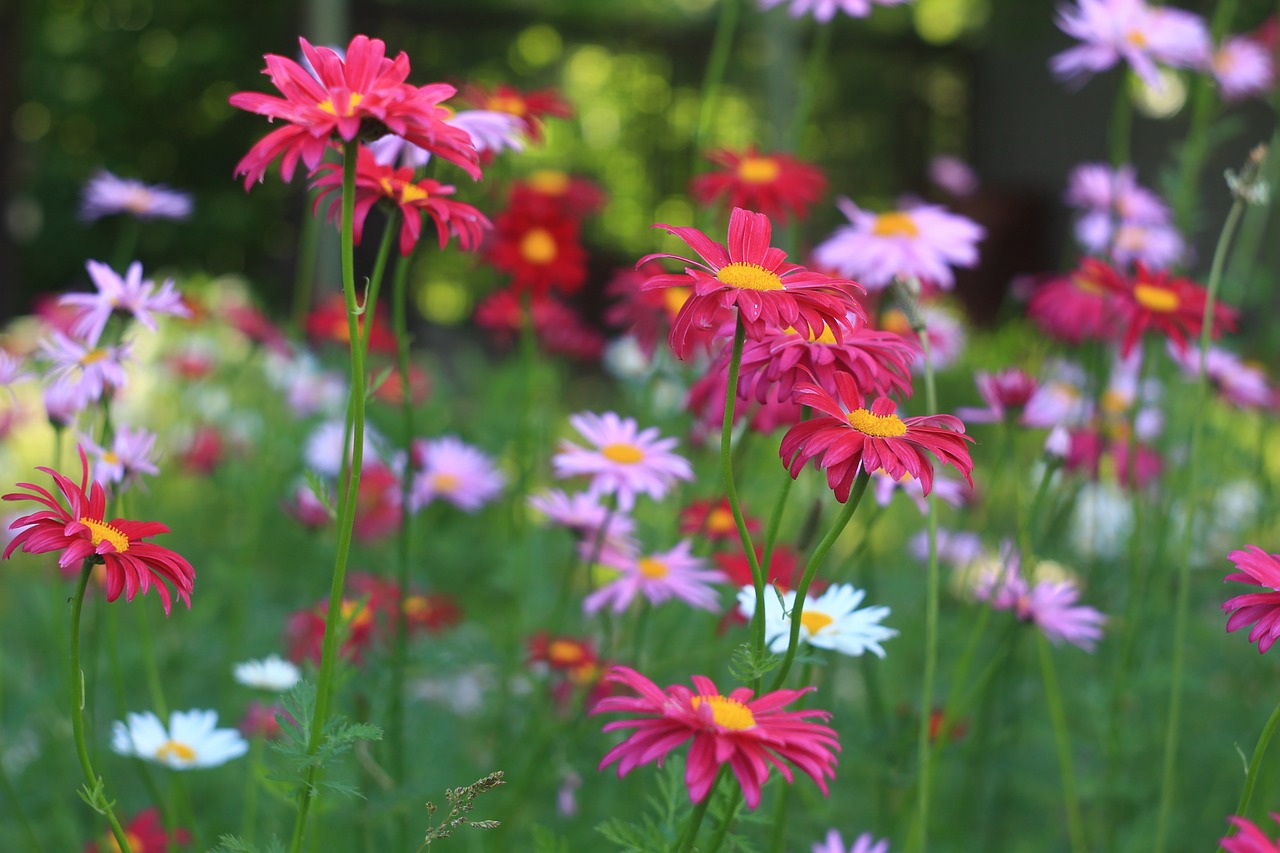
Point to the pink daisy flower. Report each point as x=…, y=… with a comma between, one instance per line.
x=1115, y=31
x=454, y=472
x=954, y=492
x=129, y=295
x=106, y=194
x=88, y=369
x=953, y=175
x=1259, y=568
x=1250, y=838
x=751, y=736
x=1074, y=307
x=622, y=460
x=128, y=458
x=824, y=10
x=1012, y=393
x=864, y=843
x=748, y=273
x=1243, y=68
x=658, y=577
x=1239, y=382
x=922, y=242
x=1050, y=604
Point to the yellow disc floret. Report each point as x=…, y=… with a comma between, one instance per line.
x=651, y=568
x=728, y=713
x=878, y=426
x=537, y=246
x=1159, y=299
x=174, y=749
x=895, y=224
x=100, y=531
x=749, y=277
x=758, y=170
x=815, y=621
x=621, y=452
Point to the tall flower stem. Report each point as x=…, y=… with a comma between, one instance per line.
x=96, y=797
x=1120, y=130
x=690, y=833
x=1062, y=739
x=1182, y=602
x=721, y=46
x=1255, y=763
x=347, y=501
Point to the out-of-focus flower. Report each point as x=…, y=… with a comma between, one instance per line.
x=955, y=547
x=585, y=515
x=192, y=740
x=770, y=294
x=784, y=569
x=751, y=736
x=953, y=175
x=830, y=621
x=1255, y=566
x=11, y=372
x=262, y=721
x=713, y=520
x=452, y=471
x=922, y=242
x=1243, y=68
x=558, y=193
x=1074, y=307
x=1049, y=603
x=363, y=91
x=1115, y=31
x=623, y=460
x=777, y=185
x=128, y=295
x=1239, y=382
x=864, y=843
x=491, y=133
x=1170, y=305
x=954, y=492
x=567, y=795
x=63, y=401
x=392, y=389
x=531, y=108
x=1250, y=838
x=944, y=326
x=83, y=365
x=128, y=458
x=376, y=182
x=1013, y=393
x=105, y=194
x=658, y=577
x=649, y=314
x=308, y=509
x=558, y=328
x=272, y=673
x=1058, y=443
x=323, y=452
x=377, y=502
x=541, y=250
x=844, y=442
x=145, y=834
x=203, y=450
x=1121, y=219
x=80, y=531
x=328, y=322
x=824, y=10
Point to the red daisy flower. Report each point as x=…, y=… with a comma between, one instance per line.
x=1074, y=307
x=848, y=441
x=1155, y=299
x=705, y=401
x=540, y=251
x=304, y=631
x=713, y=520
x=81, y=532
x=558, y=328
x=530, y=107
x=770, y=293
x=145, y=834
x=375, y=182
x=392, y=388
x=1259, y=568
x=328, y=322
x=560, y=192
x=785, y=569
x=365, y=93
x=777, y=185
x=750, y=735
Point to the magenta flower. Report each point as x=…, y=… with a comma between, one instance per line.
x=1259, y=568
x=658, y=577
x=752, y=736
x=824, y=10
x=455, y=472
x=130, y=295
x=623, y=460
x=1250, y=838
x=922, y=242
x=106, y=194
x=864, y=843
x=1115, y=31
x=1012, y=393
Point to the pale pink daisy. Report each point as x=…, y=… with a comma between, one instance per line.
x=824, y=10
x=11, y=371
x=1050, y=604
x=1250, y=838
x=864, y=843
x=130, y=295
x=658, y=577
x=585, y=515
x=452, y=471
x=1243, y=68
x=90, y=369
x=952, y=491
x=953, y=175
x=63, y=401
x=128, y=458
x=622, y=460
x=1120, y=218
x=1240, y=382
x=922, y=242
x=1153, y=244
x=1115, y=31
x=106, y=194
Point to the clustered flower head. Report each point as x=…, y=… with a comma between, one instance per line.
x=1121, y=219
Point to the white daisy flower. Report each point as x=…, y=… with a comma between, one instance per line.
x=272, y=673
x=192, y=739
x=830, y=621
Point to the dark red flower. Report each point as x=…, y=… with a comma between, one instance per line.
x=777, y=185
x=713, y=519
x=558, y=328
x=558, y=192
x=145, y=834
x=541, y=252
x=1156, y=300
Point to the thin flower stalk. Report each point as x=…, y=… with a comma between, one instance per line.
x=721, y=46
x=1182, y=601
x=1062, y=740
x=690, y=833
x=347, y=501
x=375, y=280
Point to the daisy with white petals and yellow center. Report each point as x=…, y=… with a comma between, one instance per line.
x=830, y=621
x=272, y=673
x=192, y=739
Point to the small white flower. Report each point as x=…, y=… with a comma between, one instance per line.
x=192, y=739
x=830, y=621
x=272, y=673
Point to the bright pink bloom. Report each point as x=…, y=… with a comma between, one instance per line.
x=623, y=460
x=751, y=736
x=844, y=442
x=128, y=295
x=770, y=294
x=1250, y=838
x=1073, y=307
x=777, y=185
x=80, y=531
x=363, y=92
x=540, y=249
x=1259, y=568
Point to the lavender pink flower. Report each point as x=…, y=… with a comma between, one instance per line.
x=1129, y=31
x=130, y=295
x=658, y=577
x=106, y=194
x=622, y=460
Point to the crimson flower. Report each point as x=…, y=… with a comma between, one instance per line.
x=375, y=182
x=1072, y=308
x=848, y=441
x=530, y=107
x=1151, y=299
x=557, y=327
x=363, y=94
x=1259, y=568
x=777, y=185
x=561, y=193
x=750, y=735
x=770, y=294
x=81, y=532
x=145, y=834
x=328, y=322
x=647, y=315
x=539, y=248
x=713, y=520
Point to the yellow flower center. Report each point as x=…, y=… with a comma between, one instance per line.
x=728, y=713
x=895, y=224
x=537, y=246
x=111, y=458
x=93, y=356
x=174, y=749
x=446, y=482
x=625, y=454
x=1155, y=298
x=749, y=277
x=565, y=653
x=815, y=621
x=513, y=104
x=721, y=521
x=405, y=192
x=758, y=170
x=355, y=613
x=827, y=336
x=549, y=181
x=417, y=605
x=1114, y=401
x=100, y=530
x=352, y=103
x=1136, y=38
x=651, y=568
x=879, y=426
x=137, y=200
x=675, y=298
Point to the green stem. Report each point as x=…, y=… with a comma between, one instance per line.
x=1121, y=127
x=716, y=65
x=723, y=831
x=154, y=683
x=690, y=833
x=249, y=812
x=375, y=280
x=305, y=275
x=346, y=505
x=1062, y=738
x=76, y=682
x=126, y=243
x=815, y=76
x=1182, y=604
x=1255, y=763
x=811, y=569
